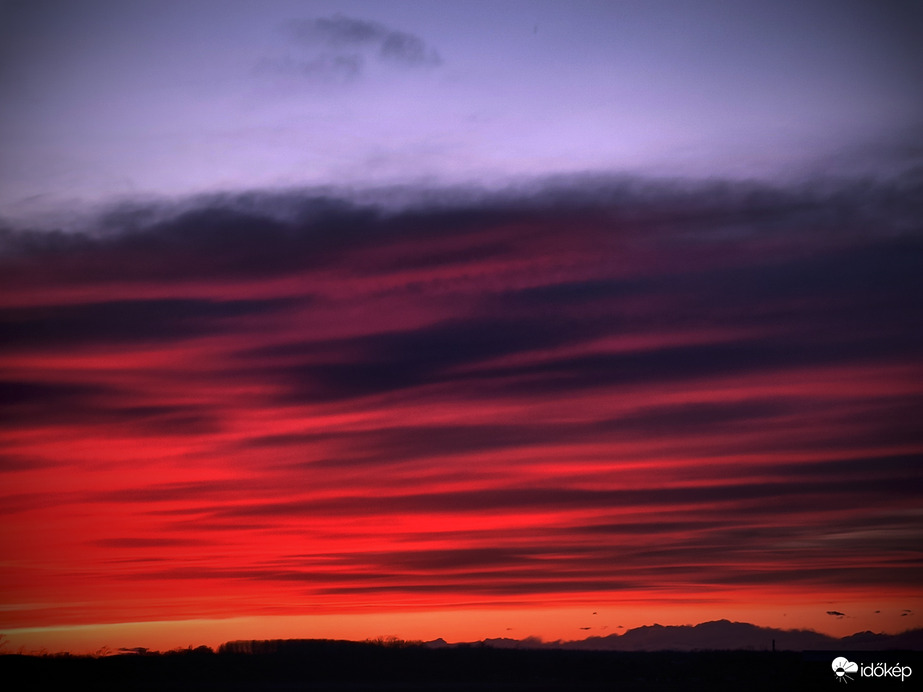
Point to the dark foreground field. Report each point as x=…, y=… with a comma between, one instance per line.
x=352, y=667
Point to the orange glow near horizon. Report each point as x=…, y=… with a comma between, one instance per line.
x=471, y=624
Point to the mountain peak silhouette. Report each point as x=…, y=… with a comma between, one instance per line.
x=721, y=635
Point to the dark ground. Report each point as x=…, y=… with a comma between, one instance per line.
x=327, y=666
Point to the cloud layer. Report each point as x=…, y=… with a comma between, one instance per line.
x=589, y=390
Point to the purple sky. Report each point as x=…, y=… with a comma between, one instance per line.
x=111, y=99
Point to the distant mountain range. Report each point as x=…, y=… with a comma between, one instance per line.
x=719, y=635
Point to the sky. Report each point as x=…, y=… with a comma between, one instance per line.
x=460, y=320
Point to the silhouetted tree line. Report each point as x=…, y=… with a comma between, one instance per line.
x=388, y=665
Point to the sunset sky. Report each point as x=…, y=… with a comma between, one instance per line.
x=461, y=320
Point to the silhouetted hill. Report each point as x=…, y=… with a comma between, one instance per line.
x=723, y=635
x=911, y=640
x=720, y=635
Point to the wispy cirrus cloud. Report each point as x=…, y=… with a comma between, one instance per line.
x=339, y=32
x=339, y=49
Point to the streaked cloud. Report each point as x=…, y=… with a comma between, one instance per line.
x=616, y=390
